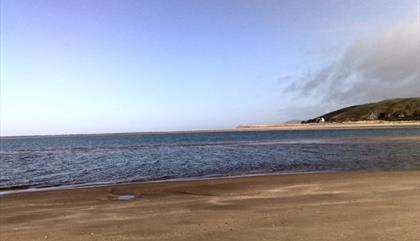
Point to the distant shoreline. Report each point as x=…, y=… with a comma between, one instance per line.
x=254, y=127
x=327, y=125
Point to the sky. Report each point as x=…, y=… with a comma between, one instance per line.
x=100, y=66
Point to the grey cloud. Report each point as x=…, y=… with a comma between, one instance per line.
x=384, y=66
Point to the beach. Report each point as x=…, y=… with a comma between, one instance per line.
x=330, y=125
x=323, y=206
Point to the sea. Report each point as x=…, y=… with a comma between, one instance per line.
x=36, y=162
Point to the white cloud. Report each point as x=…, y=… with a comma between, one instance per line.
x=385, y=65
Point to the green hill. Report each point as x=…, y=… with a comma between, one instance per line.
x=402, y=109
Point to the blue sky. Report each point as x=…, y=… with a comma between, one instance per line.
x=87, y=66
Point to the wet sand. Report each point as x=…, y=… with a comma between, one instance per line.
x=330, y=206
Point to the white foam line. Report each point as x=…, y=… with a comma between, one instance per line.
x=107, y=184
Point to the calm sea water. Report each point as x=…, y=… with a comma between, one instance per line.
x=90, y=159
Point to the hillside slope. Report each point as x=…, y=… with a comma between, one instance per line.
x=389, y=110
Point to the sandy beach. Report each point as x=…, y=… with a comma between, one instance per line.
x=329, y=206
x=329, y=126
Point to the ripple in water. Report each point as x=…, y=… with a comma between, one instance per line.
x=89, y=159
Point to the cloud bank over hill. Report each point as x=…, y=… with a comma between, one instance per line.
x=385, y=65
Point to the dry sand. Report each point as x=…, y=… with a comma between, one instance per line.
x=327, y=126
x=331, y=206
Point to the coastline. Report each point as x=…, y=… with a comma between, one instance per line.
x=18, y=190
x=311, y=206
x=253, y=127
x=329, y=126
